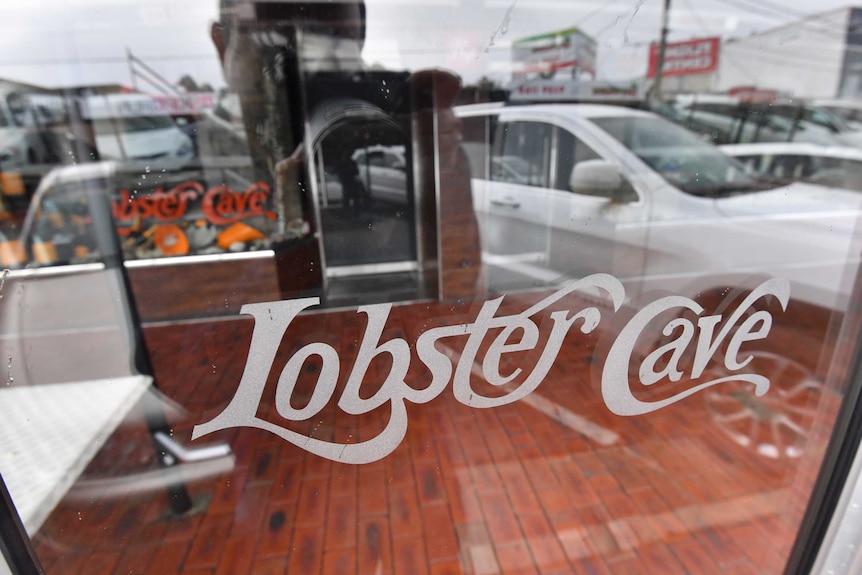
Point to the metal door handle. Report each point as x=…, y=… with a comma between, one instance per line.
x=507, y=203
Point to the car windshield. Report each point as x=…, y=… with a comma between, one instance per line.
x=132, y=124
x=681, y=158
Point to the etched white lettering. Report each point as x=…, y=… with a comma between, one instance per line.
x=648, y=374
x=394, y=387
x=744, y=334
x=616, y=391
x=518, y=332
x=270, y=323
x=491, y=364
x=326, y=382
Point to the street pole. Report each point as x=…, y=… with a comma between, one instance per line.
x=132, y=75
x=656, y=87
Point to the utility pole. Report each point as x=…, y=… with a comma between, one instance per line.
x=655, y=93
x=134, y=78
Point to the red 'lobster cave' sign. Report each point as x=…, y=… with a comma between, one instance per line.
x=220, y=205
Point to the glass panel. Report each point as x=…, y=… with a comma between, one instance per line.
x=430, y=287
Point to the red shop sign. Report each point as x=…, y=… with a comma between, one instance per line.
x=685, y=58
x=221, y=205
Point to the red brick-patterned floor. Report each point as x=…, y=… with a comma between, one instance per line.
x=552, y=484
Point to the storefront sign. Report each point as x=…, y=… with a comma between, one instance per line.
x=544, y=55
x=685, y=58
x=224, y=206
x=753, y=94
x=193, y=103
x=221, y=205
x=577, y=91
x=519, y=332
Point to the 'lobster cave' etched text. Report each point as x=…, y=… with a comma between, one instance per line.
x=515, y=333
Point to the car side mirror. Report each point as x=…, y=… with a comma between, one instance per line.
x=599, y=178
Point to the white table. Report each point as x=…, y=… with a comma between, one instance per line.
x=49, y=433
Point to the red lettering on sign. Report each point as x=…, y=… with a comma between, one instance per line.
x=162, y=205
x=684, y=58
x=222, y=205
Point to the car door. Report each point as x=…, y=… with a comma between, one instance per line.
x=516, y=217
x=389, y=177
x=591, y=231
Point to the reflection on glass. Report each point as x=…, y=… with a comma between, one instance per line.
x=297, y=166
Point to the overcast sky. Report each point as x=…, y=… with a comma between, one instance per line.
x=57, y=43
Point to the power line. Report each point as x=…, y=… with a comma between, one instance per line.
x=781, y=56
x=765, y=9
x=800, y=19
x=595, y=12
x=757, y=9
x=705, y=29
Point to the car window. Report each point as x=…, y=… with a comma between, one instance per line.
x=377, y=159
x=753, y=163
x=680, y=157
x=522, y=154
x=132, y=124
x=791, y=166
x=836, y=172
x=571, y=151
x=391, y=160
x=62, y=231
x=476, y=136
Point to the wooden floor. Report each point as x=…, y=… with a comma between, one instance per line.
x=552, y=484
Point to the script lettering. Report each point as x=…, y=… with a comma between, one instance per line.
x=616, y=391
x=513, y=333
x=162, y=205
x=273, y=319
x=221, y=205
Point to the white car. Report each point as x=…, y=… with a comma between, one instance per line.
x=25, y=131
x=383, y=172
x=833, y=166
x=622, y=191
x=730, y=120
x=134, y=127
x=380, y=170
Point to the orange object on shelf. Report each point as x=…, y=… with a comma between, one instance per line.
x=238, y=232
x=45, y=253
x=12, y=253
x=171, y=240
x=11, y=183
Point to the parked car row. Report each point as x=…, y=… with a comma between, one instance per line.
x=42, y=129
x=836, y=167
x=729, y=120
